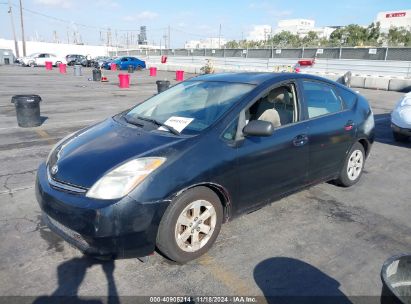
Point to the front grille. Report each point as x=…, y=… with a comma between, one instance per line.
x=62, y=186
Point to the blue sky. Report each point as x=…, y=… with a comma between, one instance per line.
x=188, y=19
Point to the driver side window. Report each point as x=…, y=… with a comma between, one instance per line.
x=278, y=106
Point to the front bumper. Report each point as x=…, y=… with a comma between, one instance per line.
x=122, y=228
x=397, y=129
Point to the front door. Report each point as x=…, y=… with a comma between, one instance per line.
x=269, y=167
x=41, y=60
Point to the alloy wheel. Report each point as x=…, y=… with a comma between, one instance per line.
x=355, y=165
x=195, y=225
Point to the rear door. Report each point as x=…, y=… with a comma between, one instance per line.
x=331, y=129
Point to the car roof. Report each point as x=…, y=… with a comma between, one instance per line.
x=256, y=78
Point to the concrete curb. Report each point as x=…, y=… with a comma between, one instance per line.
x=400, y=85
x=377, y=83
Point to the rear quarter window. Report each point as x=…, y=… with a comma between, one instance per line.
x=348, y=98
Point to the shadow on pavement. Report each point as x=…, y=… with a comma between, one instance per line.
x=70, y=276
x=383, y=132
x=288, y=280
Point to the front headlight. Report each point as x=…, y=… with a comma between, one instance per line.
x=121, y=180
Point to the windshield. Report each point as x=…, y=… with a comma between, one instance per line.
x=191, y=106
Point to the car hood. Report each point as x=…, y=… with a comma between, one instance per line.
x=86, y=156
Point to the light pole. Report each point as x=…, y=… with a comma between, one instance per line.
x=22, y=29
x=16, y=45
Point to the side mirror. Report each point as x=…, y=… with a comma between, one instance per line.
x=258, y=128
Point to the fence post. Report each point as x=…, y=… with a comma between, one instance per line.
x=205, y=52
x=339, y=56
x=386, y=53
x=246, y=53
x=302, y=53
x=272, y=51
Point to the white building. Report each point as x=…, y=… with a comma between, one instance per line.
x=295, y=25
x=260, y=33
x=394, y=19
x=301, y=27
x=208, y=43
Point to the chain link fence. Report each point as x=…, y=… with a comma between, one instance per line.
x=397, y=54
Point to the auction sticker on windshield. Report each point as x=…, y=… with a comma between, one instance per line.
x=176, y=122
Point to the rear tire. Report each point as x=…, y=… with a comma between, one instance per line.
x=353, y=166
x=190, y=225
x=399, y=137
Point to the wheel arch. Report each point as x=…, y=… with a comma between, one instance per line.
x=219, y=190
x=366, y=145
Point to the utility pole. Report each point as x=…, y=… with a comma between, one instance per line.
x=16, y=44
x=55, y=37
x=169, y=39
x=165, y=40
x=219, y=37
x=22, y=29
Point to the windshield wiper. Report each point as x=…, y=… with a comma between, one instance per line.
x=158, y=123
x=132, y=121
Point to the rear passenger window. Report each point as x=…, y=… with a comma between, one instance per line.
x=320, y=99
x=347, y=97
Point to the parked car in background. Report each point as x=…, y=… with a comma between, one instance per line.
x=100, y=60
x=39, y=59
x=401, y=119
x=168, y=172
x=73, y=59
x=124, y=62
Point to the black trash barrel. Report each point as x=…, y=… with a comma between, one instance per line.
x=96, y=75
x=396, y=280
x=162, y=85
x=131, y=69
x=27, y=110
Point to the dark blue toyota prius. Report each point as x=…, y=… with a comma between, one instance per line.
x=167, y=173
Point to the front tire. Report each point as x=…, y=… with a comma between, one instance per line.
x=190, y=225
x=353, y=166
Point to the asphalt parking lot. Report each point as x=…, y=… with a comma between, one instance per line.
x=322, y=241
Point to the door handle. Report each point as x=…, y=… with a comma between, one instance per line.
x=300, y=140
x=349, y=125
